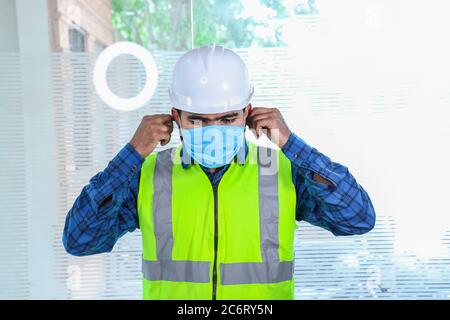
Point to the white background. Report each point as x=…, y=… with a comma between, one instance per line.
x=365, y=82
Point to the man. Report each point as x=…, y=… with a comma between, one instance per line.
x=217, y=213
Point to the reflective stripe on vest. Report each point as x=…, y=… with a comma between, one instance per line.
x=166, y=268
x=270, y=270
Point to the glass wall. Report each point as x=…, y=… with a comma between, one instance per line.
x=365, y=82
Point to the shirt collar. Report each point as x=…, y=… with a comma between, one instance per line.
x=240, y=157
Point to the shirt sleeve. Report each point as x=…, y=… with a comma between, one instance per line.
x=344, y=208
x=106, y=208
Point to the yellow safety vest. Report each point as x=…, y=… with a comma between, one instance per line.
x=235, y=241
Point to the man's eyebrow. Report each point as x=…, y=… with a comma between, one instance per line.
x=230, y=115
x=226, y=116
x=195, y=117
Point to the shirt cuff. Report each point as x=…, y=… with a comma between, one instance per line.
x=121, y=168
x=297, y=150
x=128, y=161
x=309, y=160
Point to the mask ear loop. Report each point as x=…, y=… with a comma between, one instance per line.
x=185, y=158
x=181, y=135
x=245, y=122
x=179, y=128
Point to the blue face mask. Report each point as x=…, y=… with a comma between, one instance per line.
x=213, y=146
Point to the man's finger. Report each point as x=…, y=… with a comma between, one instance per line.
x=260, y=110
x=169, y=122
x=260, y=117
x=263, y=122
x=164, y=128
x=165, y=138
x=266, y=123
x=254, y=133
x=162, y=118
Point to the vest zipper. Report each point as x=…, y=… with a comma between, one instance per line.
x=214, y=289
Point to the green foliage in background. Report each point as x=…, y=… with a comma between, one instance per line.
x=166, y=24
x=154, y=23
x=222, y=22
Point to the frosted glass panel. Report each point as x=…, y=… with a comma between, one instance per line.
x=365, y=82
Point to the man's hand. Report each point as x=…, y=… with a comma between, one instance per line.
x=271, y=120
x=152, y=130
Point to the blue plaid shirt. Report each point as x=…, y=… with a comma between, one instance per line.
x=106, y=209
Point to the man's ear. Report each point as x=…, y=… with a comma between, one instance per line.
x=176, y=116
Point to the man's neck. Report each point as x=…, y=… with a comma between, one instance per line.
x=214, y=170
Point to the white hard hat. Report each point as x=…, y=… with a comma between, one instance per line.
x=210, y=79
